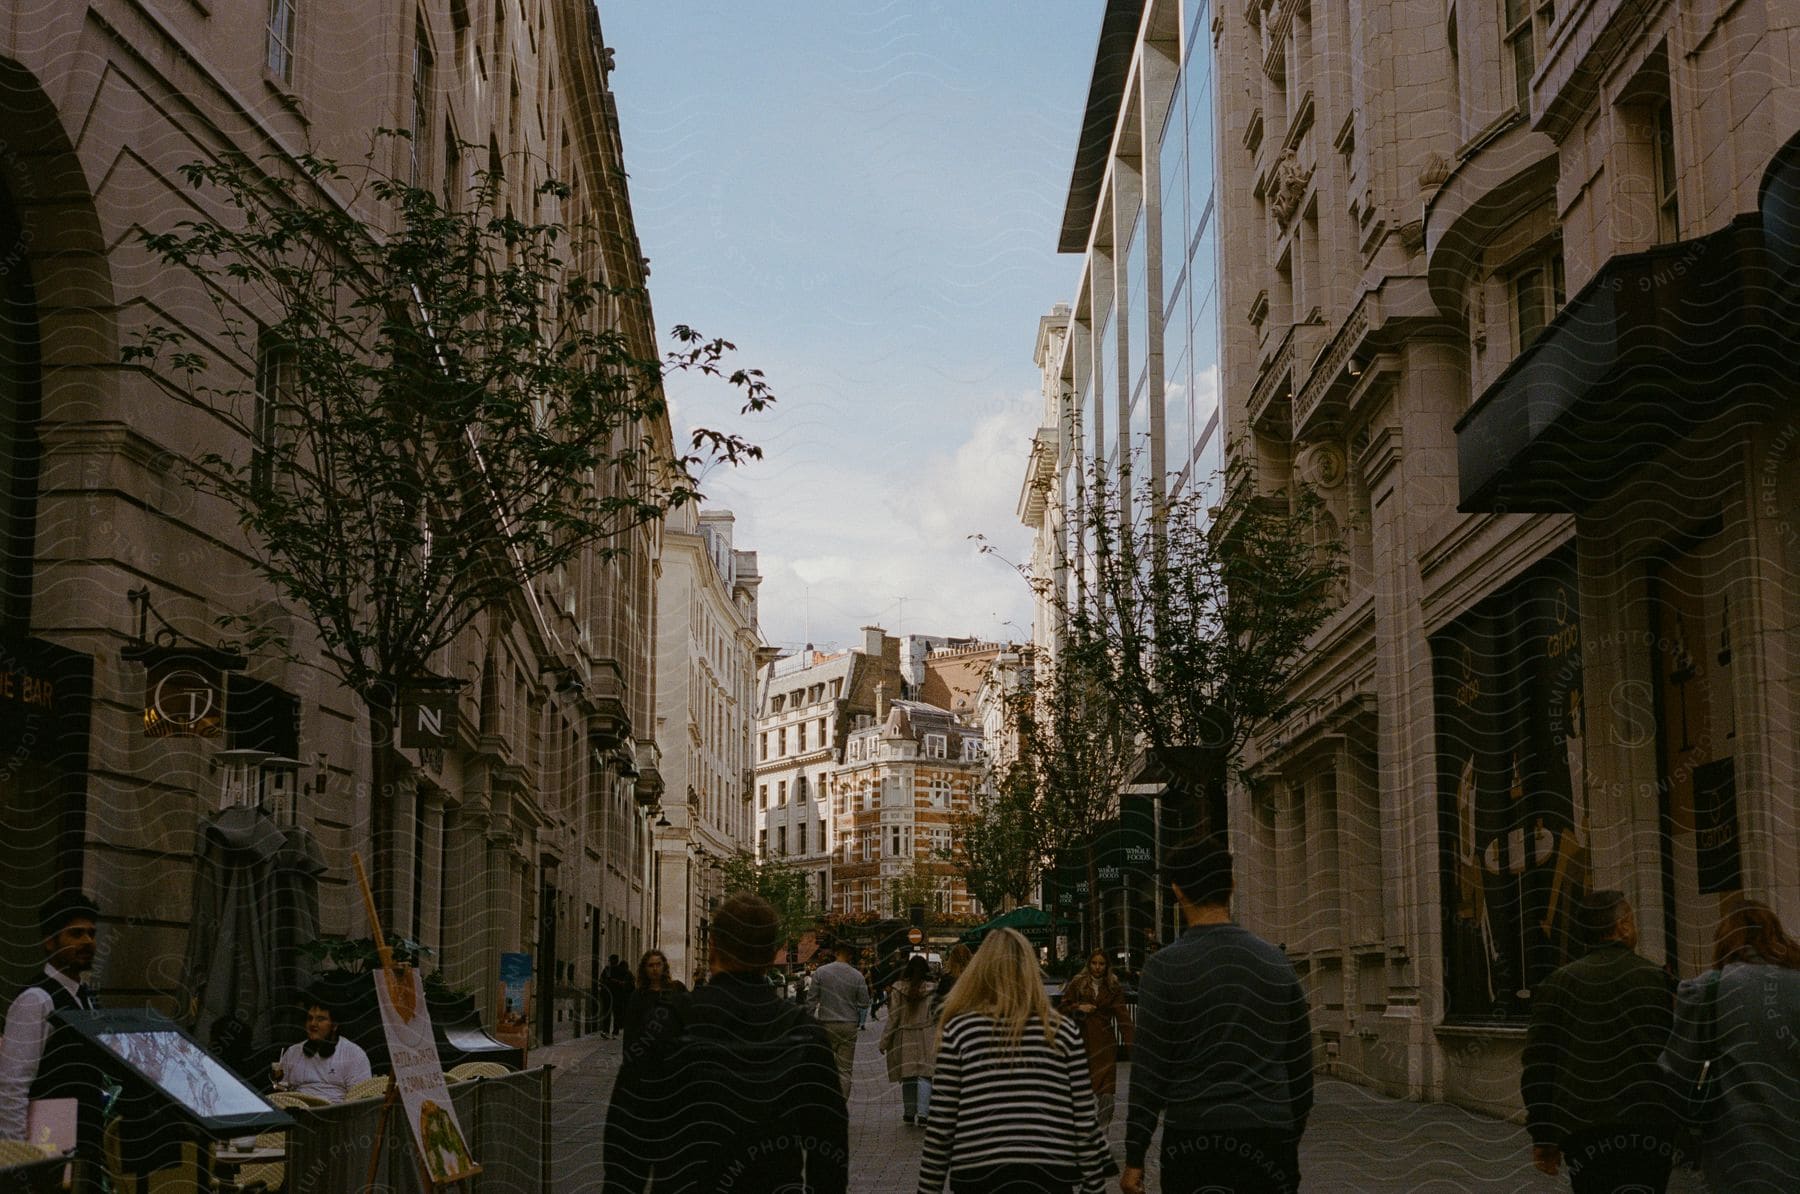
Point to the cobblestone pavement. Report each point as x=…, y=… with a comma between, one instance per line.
x=1357, y=1140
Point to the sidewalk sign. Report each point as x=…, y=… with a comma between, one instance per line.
x=417, y=1084
x=514, y=1027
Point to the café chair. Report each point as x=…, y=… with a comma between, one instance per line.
x=368, y=1088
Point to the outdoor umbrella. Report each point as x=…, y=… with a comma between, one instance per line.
x=255, y=902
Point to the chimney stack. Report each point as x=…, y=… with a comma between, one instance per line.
x=881, y=702
x=873, y=637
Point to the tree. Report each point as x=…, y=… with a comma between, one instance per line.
x=1075, y=749
x=1001, y=843
x=783, y=886
x=918, y=885
x=424, y=405
x=1191, y=620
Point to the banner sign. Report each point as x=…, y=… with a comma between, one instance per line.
x=514, y=1027
x=419, y=1077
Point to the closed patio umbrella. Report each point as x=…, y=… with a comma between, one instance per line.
x=256, y=901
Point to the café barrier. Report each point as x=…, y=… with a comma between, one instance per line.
x=507, y=1121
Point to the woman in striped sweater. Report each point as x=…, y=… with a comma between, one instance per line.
x=1012, y=1109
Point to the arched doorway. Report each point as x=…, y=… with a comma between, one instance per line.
x=45, y=687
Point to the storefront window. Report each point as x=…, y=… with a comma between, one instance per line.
x=1512, y=791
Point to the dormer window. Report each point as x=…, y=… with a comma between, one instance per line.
x=935, y=746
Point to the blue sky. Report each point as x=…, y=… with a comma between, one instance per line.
x=865, y=198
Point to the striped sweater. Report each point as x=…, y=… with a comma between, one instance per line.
x=991, y=1106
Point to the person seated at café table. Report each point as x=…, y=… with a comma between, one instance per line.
x=324, y=1065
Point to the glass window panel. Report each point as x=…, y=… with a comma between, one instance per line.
x=1105, y=409
x=1137, y=302
x=1173, y=167
x=1178, y=425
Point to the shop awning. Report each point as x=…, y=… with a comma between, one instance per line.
x=1654, y=346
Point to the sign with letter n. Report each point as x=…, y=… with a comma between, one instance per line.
x=428, y=718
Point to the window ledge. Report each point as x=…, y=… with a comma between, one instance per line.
x=284, y=92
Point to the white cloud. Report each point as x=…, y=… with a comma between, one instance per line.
x=856, y=533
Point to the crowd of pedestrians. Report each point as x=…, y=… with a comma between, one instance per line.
x=735, y=1088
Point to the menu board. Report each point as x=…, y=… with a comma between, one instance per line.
x=419, y=1077
x=154, y=1050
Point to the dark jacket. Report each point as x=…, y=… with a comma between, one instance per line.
x=1224, y=1040
x=648, y=1017
x=1598, y=1027
x=742, y=1097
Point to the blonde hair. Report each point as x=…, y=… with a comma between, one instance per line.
x=1002, y=983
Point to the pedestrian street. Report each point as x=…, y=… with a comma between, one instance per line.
x=1357, y=1140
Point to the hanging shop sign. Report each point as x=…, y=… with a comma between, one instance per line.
x=428, y=718
x=184, y=690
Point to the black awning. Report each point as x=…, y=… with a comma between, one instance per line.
x=1656, y=344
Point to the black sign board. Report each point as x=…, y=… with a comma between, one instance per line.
x=1716, y=826
x=44, y=697
x=151, y=1050
x=428, y=718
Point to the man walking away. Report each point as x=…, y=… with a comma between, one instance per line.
x=1223, y=1054
x=746, y=1098
x=1594, y=1098
x=837, y=998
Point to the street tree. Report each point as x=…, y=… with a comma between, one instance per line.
x=1074, y=751
x=422, y=404
x=784, y=886
x=1190, y=619
x=1000, y=843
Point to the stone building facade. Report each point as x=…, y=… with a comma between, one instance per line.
x=807, y=705
x=707, y=641
x=528, y=831
x=907, y=773
x=1507, y=283
x=1500, y=283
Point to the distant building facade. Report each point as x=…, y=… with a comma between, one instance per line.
x=807, y=705
x=707, y=641
x=907, y=773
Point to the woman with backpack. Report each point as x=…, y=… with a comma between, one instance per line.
x=1743, y=1017
x=907, y=1039
x=1015, y=1110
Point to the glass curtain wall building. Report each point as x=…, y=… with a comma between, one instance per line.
x=1138, y=371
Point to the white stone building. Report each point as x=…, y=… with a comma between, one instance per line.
x=807, y=704
x=707, y=637
x=1511, y=284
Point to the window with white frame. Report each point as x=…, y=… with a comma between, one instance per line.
x=937, y=790
x=1526, y=32
x=280, y=56
x=973, y=749
x=1668, y=213
x=934, y=746
x=1535, y=289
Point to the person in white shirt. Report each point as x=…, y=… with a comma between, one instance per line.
x=324, y=1065
x=38, y=1060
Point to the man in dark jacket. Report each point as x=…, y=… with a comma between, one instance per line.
x=743, y=1096
x=1594, y=1097
x=1223, y=1054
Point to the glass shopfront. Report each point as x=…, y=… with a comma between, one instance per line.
x=1512, y=791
